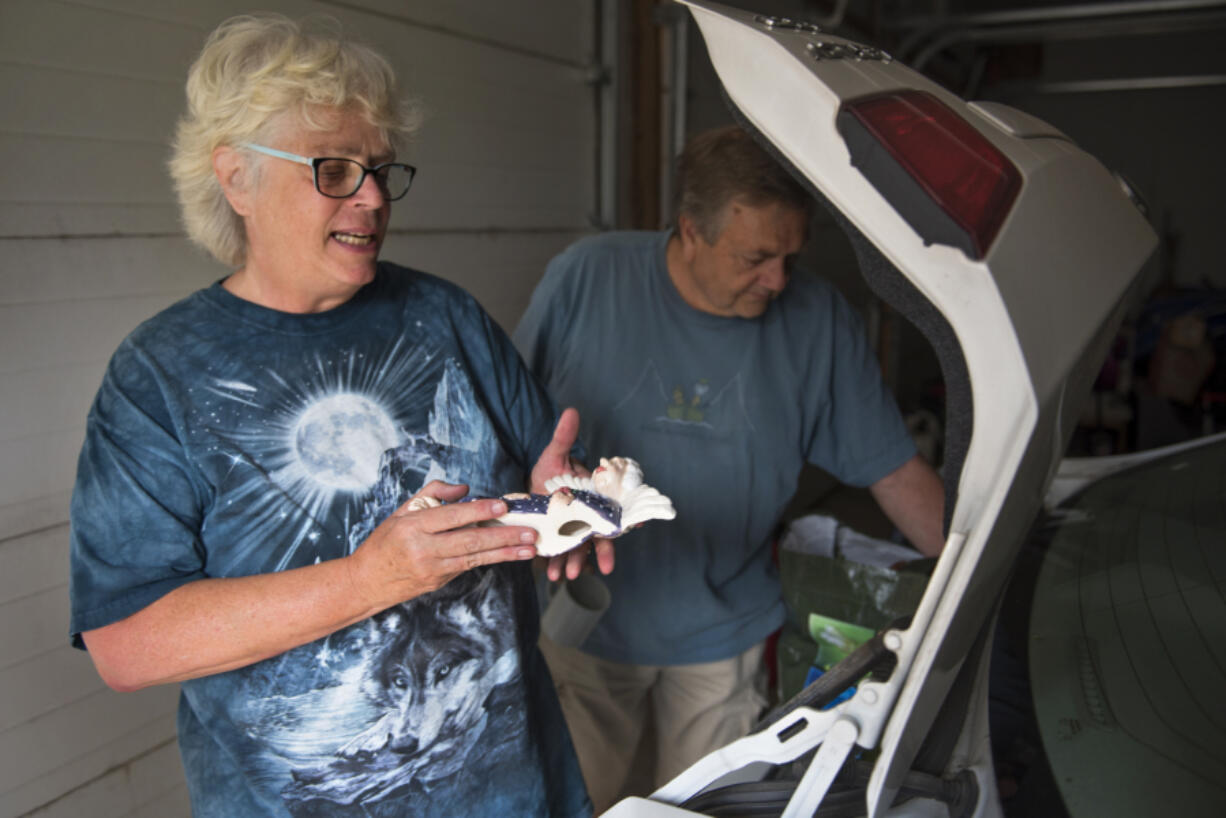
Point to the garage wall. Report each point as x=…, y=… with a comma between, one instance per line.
x=90, y=245
x=1166, y=140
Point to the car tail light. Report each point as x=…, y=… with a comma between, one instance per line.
x=942, y=175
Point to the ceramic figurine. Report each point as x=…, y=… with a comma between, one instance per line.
x=608, y=504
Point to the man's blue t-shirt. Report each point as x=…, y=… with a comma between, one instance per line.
x=722, y=413
x=228, y=440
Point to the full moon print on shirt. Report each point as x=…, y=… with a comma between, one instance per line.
x=340, y=439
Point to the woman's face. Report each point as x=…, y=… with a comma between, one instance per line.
x=307, y=252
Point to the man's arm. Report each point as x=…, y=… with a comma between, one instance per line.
x=913, y=497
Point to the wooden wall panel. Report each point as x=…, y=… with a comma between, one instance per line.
x=36, y=789
x=80, y=730
x=97, y=38
x=560, y=30
x=43, y=683
x=33, y=563
x=98, y=271
x=150, y=786
x=38, y=467
x=34, y=624
x=557, y=30
x=493, y=267
x=501, y=123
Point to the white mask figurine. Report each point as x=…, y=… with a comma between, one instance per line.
x=608, y=504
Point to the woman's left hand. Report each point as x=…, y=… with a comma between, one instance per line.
x=574, y=562
x=556, y=460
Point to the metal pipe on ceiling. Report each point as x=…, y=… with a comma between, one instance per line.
x=1065, y=22
x=1067, y=30
x=1129, y=84
x=922, y=26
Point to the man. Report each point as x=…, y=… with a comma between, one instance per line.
x=696, y=352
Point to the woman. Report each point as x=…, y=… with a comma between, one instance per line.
x=239, y=520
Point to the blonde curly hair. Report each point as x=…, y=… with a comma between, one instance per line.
x=253, y=72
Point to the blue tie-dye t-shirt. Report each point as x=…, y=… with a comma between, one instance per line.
x=227, y=440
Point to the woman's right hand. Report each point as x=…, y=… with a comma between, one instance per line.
x=429, y=541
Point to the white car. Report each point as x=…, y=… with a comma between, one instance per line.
x=1015, y=252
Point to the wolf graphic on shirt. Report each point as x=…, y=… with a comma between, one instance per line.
x=432, y=688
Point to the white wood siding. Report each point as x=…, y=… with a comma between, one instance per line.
x=90, y=244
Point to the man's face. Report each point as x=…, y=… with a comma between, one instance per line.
x=747, y=266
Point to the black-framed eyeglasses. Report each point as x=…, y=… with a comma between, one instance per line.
x=340, y=178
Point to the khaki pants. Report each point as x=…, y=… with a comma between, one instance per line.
x=609, y=705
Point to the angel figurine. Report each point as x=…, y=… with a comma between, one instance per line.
x=608, y=504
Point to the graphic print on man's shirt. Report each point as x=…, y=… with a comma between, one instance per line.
x=396, y=704
x=691, y=406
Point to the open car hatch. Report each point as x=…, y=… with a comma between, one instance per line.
x=1015, y=253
